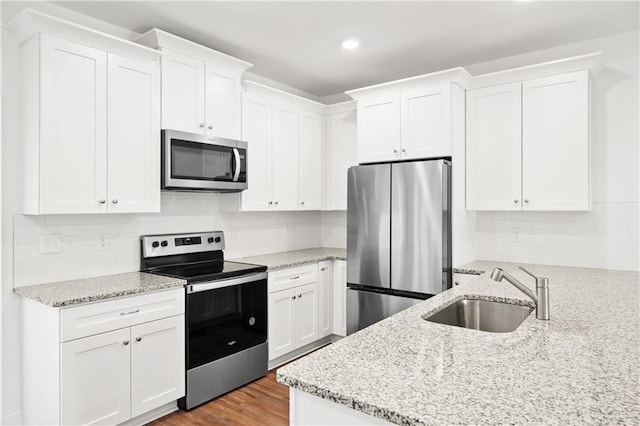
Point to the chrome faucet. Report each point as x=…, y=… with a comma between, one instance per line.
x=541, y=298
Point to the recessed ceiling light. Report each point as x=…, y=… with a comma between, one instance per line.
x=350, y=44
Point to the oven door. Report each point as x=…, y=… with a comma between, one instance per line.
x=198, y=162
x=225, y=317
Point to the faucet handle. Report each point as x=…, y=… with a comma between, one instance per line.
x=540, y=281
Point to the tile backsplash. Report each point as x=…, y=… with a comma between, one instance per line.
x=107, y=244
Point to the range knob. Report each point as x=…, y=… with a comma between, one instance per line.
x=155, y=244
x=210, y=240
x=164, y=243
x=218, y=239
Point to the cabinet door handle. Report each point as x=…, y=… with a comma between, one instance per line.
x=210, y=127
x=126, y=342
x=201, y=125
x=115, y=201
x=295, y=278
x=138, y=339
x=103, y=201
x=130, y=312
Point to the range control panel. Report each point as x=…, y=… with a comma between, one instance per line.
x=169, y=244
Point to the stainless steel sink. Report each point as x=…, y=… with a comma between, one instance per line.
x=483, y=315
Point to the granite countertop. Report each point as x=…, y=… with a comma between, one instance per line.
x=288, y=259
x=67, y=293
x=580, y=367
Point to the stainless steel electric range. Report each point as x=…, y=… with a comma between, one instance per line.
x=226, y=311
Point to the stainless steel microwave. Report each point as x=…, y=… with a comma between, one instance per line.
x=192, y=162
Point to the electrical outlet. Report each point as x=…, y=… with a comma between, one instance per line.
x=51, y=243
x=515, y=234
x=103, y=242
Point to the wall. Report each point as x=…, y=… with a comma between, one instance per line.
x=608, y=235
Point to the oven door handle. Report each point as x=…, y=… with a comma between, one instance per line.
x=236, y=156
x=213, y=285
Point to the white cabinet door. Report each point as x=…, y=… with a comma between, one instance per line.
x=282, y=331
x=222, y=103
x=73, y=127
x=493, y=166
x=133, y=99
x=256, y=131
x=306, y=314
x=285, y=157
x=555, y=142
x=183, y=92
x=339, y=298
x=379, y=129
x=325, y=298
x=94, y=379
x=341, y=154
x=426, y=122
x=310, y=146
x=157, y=364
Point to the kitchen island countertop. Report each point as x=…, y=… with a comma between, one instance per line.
x=579, y=367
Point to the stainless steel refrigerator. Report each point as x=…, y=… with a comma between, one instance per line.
x=398, y=237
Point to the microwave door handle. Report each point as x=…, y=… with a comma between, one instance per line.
x=236, y=156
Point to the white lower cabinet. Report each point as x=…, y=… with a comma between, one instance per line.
x=293, y=319
x=134, y=364
x=302, y=305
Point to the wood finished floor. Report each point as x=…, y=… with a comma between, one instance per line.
x=263, y=402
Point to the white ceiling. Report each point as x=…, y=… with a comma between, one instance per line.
x=298, y=43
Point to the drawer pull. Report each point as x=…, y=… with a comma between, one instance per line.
x=295, y=278
x=130, y=312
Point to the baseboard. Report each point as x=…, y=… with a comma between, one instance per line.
x=300, y=352
x=152, y=415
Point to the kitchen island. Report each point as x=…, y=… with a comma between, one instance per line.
x=580, y=367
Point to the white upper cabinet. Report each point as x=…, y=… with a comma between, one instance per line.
x=411, y=118
x=493, y=148
x=91, y=120
x=133, y=130
x=72, y=138
x=341, y=154
x=426, y=122
x=379, y=129
x=183, y=94
x=285, y=151
x=310, y=159
x=285, y=155
x=201, y=90
x=555, y=142
x=528, y=145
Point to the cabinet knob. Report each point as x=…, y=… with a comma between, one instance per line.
x=115, y=201
x=276, y=203
x=404, y=150
x=138, y=339
x=210, y=127
x=322, y=269
x=515, y=201
x=126, y=342
x=201, y=125
x=103, y=201
x=293, y=297
x=302, y=202
x=526, y=201
x=299, y=296
x=270, y=203
x=395, y=151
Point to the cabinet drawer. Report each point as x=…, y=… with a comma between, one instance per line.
x=87, y=320
x=293, y=277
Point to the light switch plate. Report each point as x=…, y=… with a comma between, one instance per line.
x=51, y=243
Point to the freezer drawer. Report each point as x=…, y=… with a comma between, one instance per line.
x=365, y=308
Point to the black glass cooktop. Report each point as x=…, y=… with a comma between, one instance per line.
x=209, y=271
